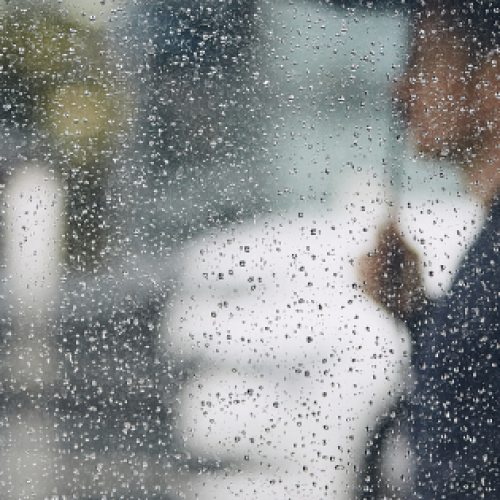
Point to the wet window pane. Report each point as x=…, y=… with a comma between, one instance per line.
x=248, y=249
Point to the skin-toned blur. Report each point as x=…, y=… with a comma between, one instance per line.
x=435, y=92
x=449, y=101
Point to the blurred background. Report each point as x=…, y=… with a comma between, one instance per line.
x=138, y=139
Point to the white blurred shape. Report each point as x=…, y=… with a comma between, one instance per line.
x=293, y=362
x=33, y=231
x=441, y=231
x=27, y=462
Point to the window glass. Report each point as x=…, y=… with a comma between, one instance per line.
x=187, y=190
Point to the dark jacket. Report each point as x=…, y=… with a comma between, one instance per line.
x=456, y=402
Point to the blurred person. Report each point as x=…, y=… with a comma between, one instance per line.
x=79, y=404
x=449, y=98
x=64, y=104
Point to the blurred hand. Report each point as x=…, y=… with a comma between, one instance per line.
x=391, y=274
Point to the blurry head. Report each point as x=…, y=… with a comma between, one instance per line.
x=449, y=91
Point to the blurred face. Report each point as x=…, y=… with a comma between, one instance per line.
x=435, y=92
